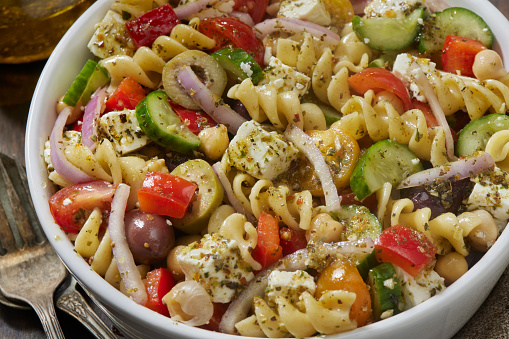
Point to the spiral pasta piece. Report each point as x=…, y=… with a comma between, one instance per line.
x=381, y=121
x=498, y=147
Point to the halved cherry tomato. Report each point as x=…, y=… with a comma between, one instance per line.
x=78, y=125
x=343, y=275
x=255, y=8
x=146, y=28
x=72, y=205
x=431, y=120
x=127, y=95
x=458, y=54
x=194, y=120
x=267, y=250
x=159, y=282
x=379, y=79
x=165, y=194
x=405, y=248
x=228, y=31
x=292, y=240
x=219, y=310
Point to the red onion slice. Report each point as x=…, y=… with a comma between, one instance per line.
x=307, y=146
x=60, y=163
x=191, y=8
x=428, y=91
x=121, y=252
x=208, y=101
x=295, y=26
x=93, y=111
x=240, y=307
x=457, y=170
x=244, y=17
x=232, y=198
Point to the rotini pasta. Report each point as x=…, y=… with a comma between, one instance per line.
x=498, y=147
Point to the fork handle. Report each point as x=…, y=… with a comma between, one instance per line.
x=75, y=305
x=46, y=311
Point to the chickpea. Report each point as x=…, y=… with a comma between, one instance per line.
x=392, y=98
x=324, y=228
x=483, y=236
x=451, y=267
x=173, y=265
x=218, y=217
x=488, y=65
x=215, y=141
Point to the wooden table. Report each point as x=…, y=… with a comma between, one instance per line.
x=17, y=83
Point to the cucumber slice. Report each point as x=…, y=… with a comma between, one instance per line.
x=162, y=125
x=385, y=161
x=91, y=77
x=475, y=135
x=385, y=291
x=207, y=199
x=239, y=64
x=388, y=34
x=367, y=263
x=385, y=60
x=358, y=223
x=453, y=21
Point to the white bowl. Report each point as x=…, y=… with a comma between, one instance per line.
x=440, y=317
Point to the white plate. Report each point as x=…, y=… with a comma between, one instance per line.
x=439, y=317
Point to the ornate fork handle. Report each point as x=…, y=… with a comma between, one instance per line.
x=73, y=303
x=43, y=306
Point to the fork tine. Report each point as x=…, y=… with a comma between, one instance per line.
x=14, y=211
x=6, y=238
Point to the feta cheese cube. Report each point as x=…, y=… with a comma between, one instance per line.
x=289, y=285
x=111, y=37
x=402, y=70
x=491, y=193
x=216, y=263
x=260, y=153
x=416, y=290
x=123, y=130
x=285, y=78
x=214, y=9
x=309, y=10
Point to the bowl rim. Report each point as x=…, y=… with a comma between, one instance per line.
x=47, y=92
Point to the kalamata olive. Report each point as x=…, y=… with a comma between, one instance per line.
x=149, y=236
x=440, y=198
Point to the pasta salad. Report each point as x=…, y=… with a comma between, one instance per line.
x=283, y=168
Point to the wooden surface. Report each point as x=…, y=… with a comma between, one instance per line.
x=17, y=83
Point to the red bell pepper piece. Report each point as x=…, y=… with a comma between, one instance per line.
x=405, y=248
x=292, y=240
x=165, y=194
x=127, y=95
x=159, y=282
x=379, y=79
x=458, y=54
x=194, y=120
x=267, y=250
x=146, y=28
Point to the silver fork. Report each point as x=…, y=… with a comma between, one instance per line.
x=28, y=263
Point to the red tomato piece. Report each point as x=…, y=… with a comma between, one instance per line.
x=165, y=194
x=228, y=31
x=431, y=120
x=267, y=250
x=127, y=95
x=292, y=240
x=72, y=205
x=194, y=120
x=255, y=8
x=159, y=282
x=78, y=125
x=405, y=248
x=379, y=79
x=459, y=53
x=146, y=28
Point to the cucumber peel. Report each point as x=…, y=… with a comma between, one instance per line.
x=162, y=125
x=239, y=64
x=475, y=135
x=385, y=161
x=91, y=77
x=452, y=21
x=385, y=290
x=388, y=34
